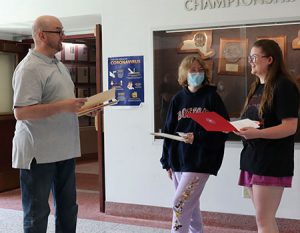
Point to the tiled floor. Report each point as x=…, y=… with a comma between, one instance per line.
x=90, y=219
x=11, y=222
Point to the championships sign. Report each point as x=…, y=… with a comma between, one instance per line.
x=193, y=5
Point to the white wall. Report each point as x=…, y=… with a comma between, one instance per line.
x=18, y=11
x=133, y=173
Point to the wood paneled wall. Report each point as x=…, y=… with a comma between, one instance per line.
x=9, y=177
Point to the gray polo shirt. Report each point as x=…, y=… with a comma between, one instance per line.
x=39, y=79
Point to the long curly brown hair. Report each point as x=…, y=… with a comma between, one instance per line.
x=275, y=70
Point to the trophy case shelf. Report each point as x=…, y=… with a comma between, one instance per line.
x=79, y=56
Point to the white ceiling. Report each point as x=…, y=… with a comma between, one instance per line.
x=72, y=25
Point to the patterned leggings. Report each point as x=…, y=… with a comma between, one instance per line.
x=186, y=204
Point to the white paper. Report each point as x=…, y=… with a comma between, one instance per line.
x=181, y=134
x=170, y=136
x=245, y=123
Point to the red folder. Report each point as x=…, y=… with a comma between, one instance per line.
x=212, y=121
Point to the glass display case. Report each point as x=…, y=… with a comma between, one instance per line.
x=225, y=51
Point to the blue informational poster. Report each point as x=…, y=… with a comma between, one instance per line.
x=126, y=74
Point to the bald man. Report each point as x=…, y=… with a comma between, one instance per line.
x=46, y=140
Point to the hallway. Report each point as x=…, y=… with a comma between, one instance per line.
x=90, y=220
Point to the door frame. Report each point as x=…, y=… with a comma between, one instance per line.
x=99, y=118
x=99, y=121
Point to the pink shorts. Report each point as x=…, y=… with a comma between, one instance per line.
x=247, y=179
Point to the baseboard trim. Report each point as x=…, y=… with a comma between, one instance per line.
x=234, y=221
x=86, y=157
x=138, y=211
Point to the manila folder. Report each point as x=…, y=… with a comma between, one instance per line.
x=97, y=100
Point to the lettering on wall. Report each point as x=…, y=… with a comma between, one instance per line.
x=193, y=5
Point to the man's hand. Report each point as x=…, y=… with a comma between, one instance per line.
x=71, y=105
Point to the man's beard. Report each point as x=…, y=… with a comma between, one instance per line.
x=55, y=45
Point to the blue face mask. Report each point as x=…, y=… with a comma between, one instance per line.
x=195, y=79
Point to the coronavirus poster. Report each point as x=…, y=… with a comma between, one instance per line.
x=126, y=74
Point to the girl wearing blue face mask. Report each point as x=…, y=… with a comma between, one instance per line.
x=189, y=164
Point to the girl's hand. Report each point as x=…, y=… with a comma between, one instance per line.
x=189, y=138
x=248, y=133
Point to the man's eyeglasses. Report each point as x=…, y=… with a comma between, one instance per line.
x=61, y=33
x=253, y=58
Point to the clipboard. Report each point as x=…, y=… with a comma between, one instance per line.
x=212, y=121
